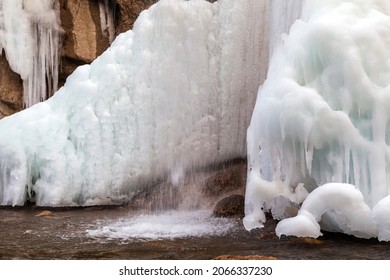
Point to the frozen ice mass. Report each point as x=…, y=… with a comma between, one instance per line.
x=175, y=93
x=320, y=124
x=179, y=92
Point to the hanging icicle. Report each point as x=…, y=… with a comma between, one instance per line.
x=107, y=18
x=30, y=34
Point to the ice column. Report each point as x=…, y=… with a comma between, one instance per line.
x=31, y=36
x=322, y=115
x=107, y=18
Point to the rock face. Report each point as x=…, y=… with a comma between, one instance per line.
x=87, y=34
x=231, y=206
x=83, y=39
x=127, y=11
x=11, y=89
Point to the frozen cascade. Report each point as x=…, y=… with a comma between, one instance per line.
x=321, y=122
x=30, y=36
x=174, y=93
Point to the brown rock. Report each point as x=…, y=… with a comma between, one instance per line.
x=84, y=39
x=11, y=89
x=229, y=179
x=310, y=241
x=45, y=213
x=128, y=11
x=231, y=206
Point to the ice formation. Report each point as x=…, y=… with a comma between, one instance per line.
x=174, y=93
x=107, y=18
x=30, y=34
x=283, y=13
x=322, y=117
x=339, y=207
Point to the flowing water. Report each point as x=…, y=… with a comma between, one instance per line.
x=122, y=233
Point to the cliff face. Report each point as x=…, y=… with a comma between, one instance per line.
x=89, y=27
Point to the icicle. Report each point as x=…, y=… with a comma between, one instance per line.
x=31, y=37
x=107, y=17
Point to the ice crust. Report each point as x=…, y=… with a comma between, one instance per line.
x=173, y=94
x=321, y=122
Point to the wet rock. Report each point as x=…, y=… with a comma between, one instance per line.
x=230, y=179
x=199, y=189
x=45, y=213
x=231, y=206
x=160, y=197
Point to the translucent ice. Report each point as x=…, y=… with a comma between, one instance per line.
x=322, y=114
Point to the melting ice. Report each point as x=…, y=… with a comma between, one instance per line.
x=174, y=93
x=321, y=123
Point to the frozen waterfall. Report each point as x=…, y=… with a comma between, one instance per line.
x=175, y=93
x=321, y=122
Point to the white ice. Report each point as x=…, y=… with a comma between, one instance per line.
x=339, y=207
x=173, y=94
x=30, y=35
x=322, y=117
